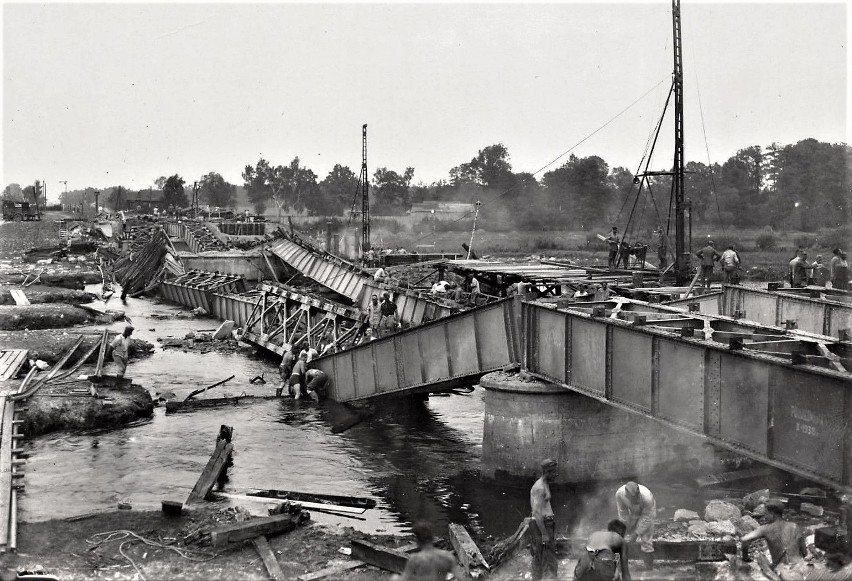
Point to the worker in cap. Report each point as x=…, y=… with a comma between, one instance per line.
x=638, y=509
x=120, y=347
x=786, y=543
x=543, y=529
x=298, y=375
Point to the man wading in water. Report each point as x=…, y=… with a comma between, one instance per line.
x=543, y=531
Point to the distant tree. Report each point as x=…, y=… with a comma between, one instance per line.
x=173, y=192
x=337, y=191
x=217, y=192
x=291, y=185
x=28, y=194
x=581, y=187
x=118, y=197
x=490, y=169
x=257, y=189
x=160, y=182
x=390, y=191
x=12, y=192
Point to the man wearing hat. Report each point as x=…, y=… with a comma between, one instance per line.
x=637, y=509
x=543, y=529
x=120, y=346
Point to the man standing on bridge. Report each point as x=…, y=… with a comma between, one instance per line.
x=612, y=242
x=708, y=256
x=638, y=509
x=389, y=317
x=543, y=529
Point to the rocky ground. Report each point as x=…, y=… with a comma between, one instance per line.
x=50, y=345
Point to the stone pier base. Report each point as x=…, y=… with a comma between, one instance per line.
x=527, y=421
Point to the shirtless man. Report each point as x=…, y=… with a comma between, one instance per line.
x=543, y=530
x=785, y=541
x=599, y=561
x=428, y=563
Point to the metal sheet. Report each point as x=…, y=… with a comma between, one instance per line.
x=365, y=372
x=412, y=358
x=631, y=367
x=681, y=383
x=745, y=401
x=491, y=334
x=385, y=364
x=759, y=308
x=462, y=345
x=551, y=343
x=808, y=315
x=433, y=346
x=588, y=354
x=809, y=422
x=839, y=317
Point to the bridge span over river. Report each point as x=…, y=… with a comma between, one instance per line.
x=781, y=397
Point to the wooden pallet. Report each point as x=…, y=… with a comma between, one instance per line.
x=11, y=361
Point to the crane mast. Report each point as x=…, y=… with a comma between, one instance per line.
x=365, y=195
x=682, y=257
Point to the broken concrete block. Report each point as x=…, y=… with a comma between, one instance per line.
x=683, y=514
x=745, y=524
x=811, y=509
x=751, y=500
x=759, y=511
x=698, y=528
x=717, y=511
x=224, y=331
x=721, y=528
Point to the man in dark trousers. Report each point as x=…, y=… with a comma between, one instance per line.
x=543, y=527
x=708, y=256
x=605, y=551
x=389, y=318
x=612, y=242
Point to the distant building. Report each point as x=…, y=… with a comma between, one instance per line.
x=143, y=201
x=435, y=210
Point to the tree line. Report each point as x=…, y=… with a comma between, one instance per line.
x=802, y=186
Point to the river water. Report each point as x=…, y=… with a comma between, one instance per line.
x=419, y=461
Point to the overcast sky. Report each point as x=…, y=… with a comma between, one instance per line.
x=108, y=94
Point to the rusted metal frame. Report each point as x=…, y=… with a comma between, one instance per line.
x=302, y=321
x=291, y=326
x=608, y=368
x=449, y=346
x=250, y=321
x=263, y=314
x=569, y=329
x=278, y=322
x=655, y=375
x=477, y=341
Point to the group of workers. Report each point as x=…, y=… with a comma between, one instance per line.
x=300, y=377
x=620, y=251
x=382, y=317
x=606, y=551
x=455, y=291
x=834, y=274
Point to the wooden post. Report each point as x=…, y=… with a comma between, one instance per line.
x=467, y=552
x=387, y=559
x=243, y=531
x=217, y=464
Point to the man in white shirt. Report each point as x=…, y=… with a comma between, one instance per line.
x=120, y=346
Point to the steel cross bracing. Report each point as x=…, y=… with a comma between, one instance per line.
x=281, y=318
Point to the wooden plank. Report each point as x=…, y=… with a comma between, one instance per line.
x=243, y=531
x=102, y=353
x=467, y=552
x=388, y=559
x=217, y=463
x=336, y=570
x=11, y=363
x=19, y=296
x=305, y=504
x=720, y=477
x=689, y=551
x=272, y=567
x=6, y=469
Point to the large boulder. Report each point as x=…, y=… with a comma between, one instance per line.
x=721, y=528
x=683, y=514
x=718, y=511
x=745, y=524
x=759, y=511
x=751, y=500
x=698, y=528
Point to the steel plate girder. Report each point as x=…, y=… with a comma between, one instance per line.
x=792, y=417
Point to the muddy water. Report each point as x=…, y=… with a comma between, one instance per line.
x=417, y=461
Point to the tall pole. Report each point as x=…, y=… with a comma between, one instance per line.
x=365, y=194
x=682, y=257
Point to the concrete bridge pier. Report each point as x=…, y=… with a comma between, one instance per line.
x=529, y=420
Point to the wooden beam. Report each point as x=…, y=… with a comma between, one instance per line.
x=217, y=463
x=833, y=359
x=467, y=552
x=392, y=560
x=102, y=353
x=336, y=570
x=243, y=531
x=269, y=560
x=688, y=551
x=733, y=475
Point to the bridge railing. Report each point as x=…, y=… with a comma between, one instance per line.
x=793, y=416
x=449, y=351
